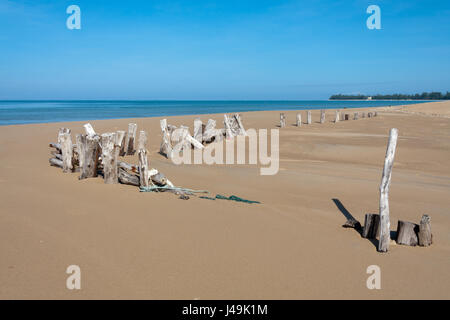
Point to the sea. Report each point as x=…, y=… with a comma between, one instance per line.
x=25, y=112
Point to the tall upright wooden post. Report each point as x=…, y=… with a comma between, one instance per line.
x=322, y=116
x=299, y=119
x=142, y=142
x=198, y=130
x=90, y=150
x=144, y=176
x=385, y=224
x=65, y=140
x=308, y=120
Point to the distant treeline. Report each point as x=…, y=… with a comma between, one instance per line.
x=397, y=96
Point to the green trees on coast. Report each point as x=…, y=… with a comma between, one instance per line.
x=397, y=96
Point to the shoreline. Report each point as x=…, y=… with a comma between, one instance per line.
x=203, y=114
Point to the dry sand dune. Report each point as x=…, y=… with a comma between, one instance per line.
x=292, y=246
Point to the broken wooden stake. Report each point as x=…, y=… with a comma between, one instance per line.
x=407, y=233
x=142, y=142
x=143, y=168
x=282, y=120
x=299, y=120
x=385, y=224
x=89, y=150
x=371, y=226
x=322, y=116
x=109, y=158
x=336, y=117
x=130, y=139
x=425, y=236
x=65, y=140
x=90, y=132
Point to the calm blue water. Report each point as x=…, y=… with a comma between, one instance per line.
x=23, y=112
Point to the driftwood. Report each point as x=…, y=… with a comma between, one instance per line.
x=299, y=120
x=130, y=139
x=109, y=158
x=90, y=132
x=130, y=167
x=56, y=162
x=127, y=178
x=143, y=168
x=385, y=224
x=425, y=236
x=407, y=233
x=356, y=116
x=159, y=178
x=238, y=126
x=89, y=150
x=282, y=120
x=371, y=226
x=228, y=127
x=336, y=117
x=308, y=118
x=166, y=145
x=322, y=116
x=57, y=146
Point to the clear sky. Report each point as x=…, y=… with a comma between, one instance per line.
x=228, y=49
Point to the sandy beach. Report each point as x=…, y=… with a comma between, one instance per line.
x=132, y=245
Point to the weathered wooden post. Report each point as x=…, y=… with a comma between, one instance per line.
x=385, y=224
x=322, y=116
x=143, y=168
x=346, y=116
x=369, y=115
x=198, y=130
x=371, y=224
x=166, y=145
x=90, y=132
x=142, y=142
x=363, y=115
x=375, y=114
x=65, y=141
x=109, y=158
x=120, y=141
x=308, y=119
x=89, y=150
x=355, y=116
x=407, y=233
x=131, y=138
x=239, y=125
x=228, y=130
x=299, y=119
x=336, y=117
x=282, y=120
x=425, y=235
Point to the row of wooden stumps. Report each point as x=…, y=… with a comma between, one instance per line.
x=179, y=139
x=94, y=154
x=408, y=233
x=338, y=116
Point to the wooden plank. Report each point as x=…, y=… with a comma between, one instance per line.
x=385, y=224
x=425, y=236
x=407, y=233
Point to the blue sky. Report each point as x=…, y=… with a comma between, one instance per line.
x=224, y=49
